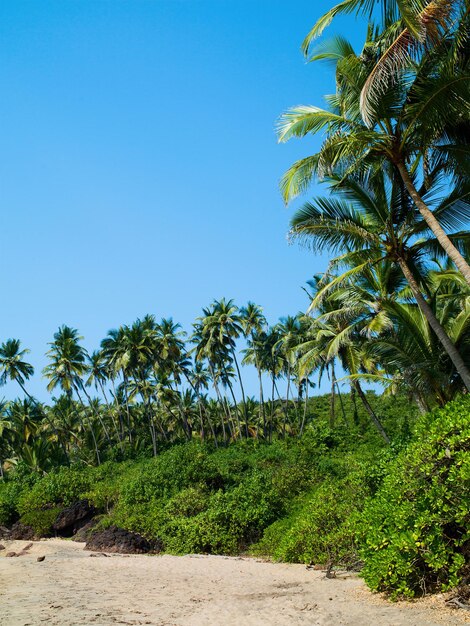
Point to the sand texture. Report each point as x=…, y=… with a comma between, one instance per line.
x=72, y=588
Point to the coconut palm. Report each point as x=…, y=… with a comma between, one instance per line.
x=12, y=364
x=368, y=221
x=253, y=323
x=13, y=367
x=68, y=364
x=414, y=130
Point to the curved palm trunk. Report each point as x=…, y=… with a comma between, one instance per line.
x=371, y=412
x=108, y=406
x=433, y=322
x=95, y=443
x=202, y=410
x=232, y=393
x=431, y=221
x=118, y=406
x=106, y=432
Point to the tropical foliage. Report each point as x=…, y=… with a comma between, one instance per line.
x=305, y=479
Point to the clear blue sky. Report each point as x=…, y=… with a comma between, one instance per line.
x=138, y=161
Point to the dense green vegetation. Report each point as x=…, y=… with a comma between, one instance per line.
x=337, y=497
x=155, y=428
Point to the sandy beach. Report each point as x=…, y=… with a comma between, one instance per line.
x=74, y=587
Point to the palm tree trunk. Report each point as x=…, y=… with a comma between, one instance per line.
x=108, y=406
x=271, y=419
x=243, y=393
x=343, y=412
x=304, y=417
x=97, y=452
x=433, y=224
x=286, y=407
x=106, y=432
x=441, y=334
x=126, y=397
x=217, y=391
x=371, y=412
x=332, y=397
x=261, y=402
x=118, y=406
x=232, y=393
x=201, y=419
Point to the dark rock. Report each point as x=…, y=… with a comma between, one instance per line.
x=4, y=532
x=28, y=546
x=116, y=539
x=99, y=554
x=22, y=532
x=40, y=559
x=85, y=531
x=74, y=517
x=11, y=554
x=2, y=547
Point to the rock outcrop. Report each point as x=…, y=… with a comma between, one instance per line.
x=121, y=541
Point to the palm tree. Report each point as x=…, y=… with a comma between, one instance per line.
x=414, y=129
x=13, y=367
x=115, y=353
x=224, y=325
x=12, y=364
x=253, y=323
x=68, y=363
x=289, y=329
x=408, y=30
x=370, y=221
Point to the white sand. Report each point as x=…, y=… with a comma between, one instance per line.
x=72, y=588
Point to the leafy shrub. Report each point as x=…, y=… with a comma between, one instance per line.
x=63, y=486
x=318, y=530
x=9, y=495
x=415, y=533
x=41, y=521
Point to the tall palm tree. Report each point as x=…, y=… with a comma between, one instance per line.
x=414, y=129
x=13, y=367
x=290, y=336
x=369, y=221
x=68, y=364
x=253, y=323
x=115, y=352
x=12, y=364
x=224, y=325
x=408, y=30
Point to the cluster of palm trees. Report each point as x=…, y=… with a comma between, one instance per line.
x=150, y=384
x=392, y=308
x=395, y=157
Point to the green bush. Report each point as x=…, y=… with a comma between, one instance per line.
x=415, y=532
x=41, y=521
x=9, y=495
x=319, y=528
